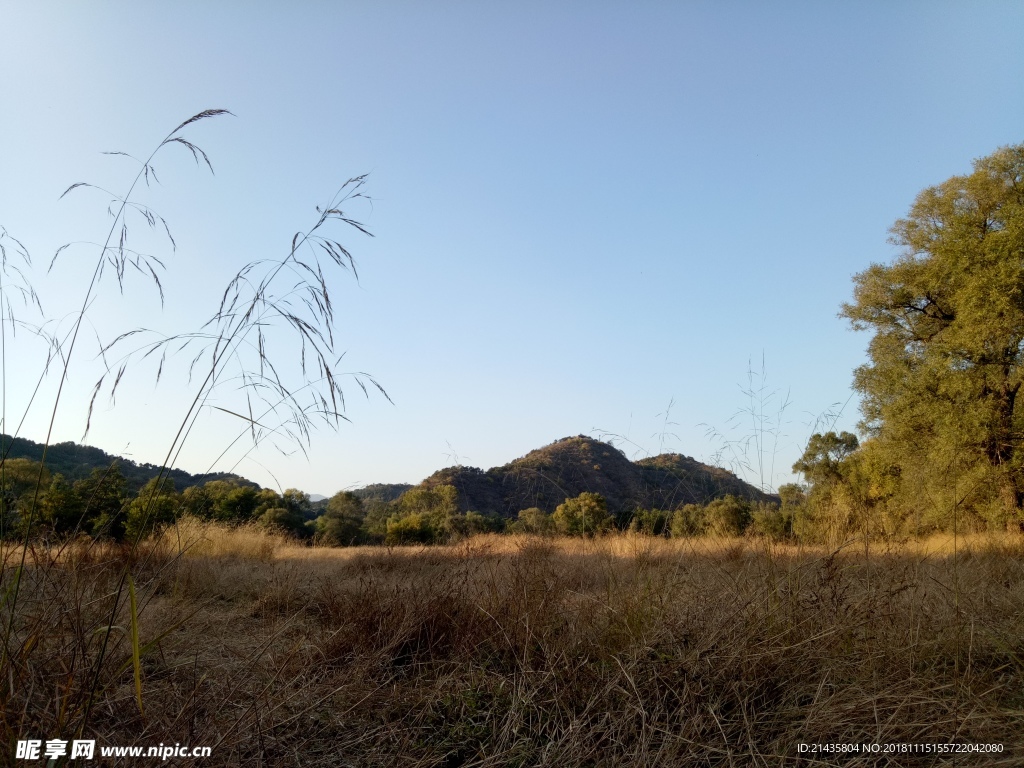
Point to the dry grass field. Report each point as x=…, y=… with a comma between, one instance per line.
x=505, y=651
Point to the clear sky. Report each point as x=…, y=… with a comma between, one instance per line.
x=582, y=211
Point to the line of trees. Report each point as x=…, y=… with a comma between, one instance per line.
x=850, y=489
x=102, y=505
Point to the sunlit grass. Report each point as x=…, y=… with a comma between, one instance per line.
x=517, y=650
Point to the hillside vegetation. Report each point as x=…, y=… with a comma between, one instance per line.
x=546, y=477
x=77, y=462
x=594, y=484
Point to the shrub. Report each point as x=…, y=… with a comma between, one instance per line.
x=689, y=520
x=417, y=528
x=585, y=515
x=228, y=501
x=533, y=520
x=156, y=505
x=473, y=523
x=771, y=521
x=728, y=516
x=653, y=522
x=285, y=520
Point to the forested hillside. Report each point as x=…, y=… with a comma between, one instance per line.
x=546, y=477
x=85, y=489
x=76, y=462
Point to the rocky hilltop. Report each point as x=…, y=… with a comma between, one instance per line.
x=546, y=477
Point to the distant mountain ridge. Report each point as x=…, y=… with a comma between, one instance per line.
x=543, y=478
x=76, y=462
x=546, y=477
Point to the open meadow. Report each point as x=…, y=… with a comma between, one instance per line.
x=521, y=651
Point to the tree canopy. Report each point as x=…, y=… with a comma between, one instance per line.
x=940, y=391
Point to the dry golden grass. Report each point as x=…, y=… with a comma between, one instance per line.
x=519, y=651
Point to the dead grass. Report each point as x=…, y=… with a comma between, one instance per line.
x=528, y=652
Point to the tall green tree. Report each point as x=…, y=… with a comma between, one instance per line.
x=104, y=495
x=287, y=518
x=424, y=515
x=947, y=351
x=18, y=478
x=156, y=506
x=341, y=523
x=228, y=501
x=822, y=460
x=61, y=508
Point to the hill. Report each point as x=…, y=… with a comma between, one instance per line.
x=381, y=492
x=546, y=477
x=76, y=461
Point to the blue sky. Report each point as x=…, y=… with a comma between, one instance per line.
x=582, y=211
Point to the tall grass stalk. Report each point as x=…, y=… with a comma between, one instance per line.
x=235, y=348
x=761, y=421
